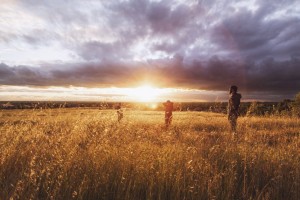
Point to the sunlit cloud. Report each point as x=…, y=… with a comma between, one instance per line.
x=143, y=93
x=202, y=45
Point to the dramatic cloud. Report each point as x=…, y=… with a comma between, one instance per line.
x=215, y=75
x=183, y=44
x=255, y=37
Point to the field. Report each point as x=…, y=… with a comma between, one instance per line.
x=85, y=154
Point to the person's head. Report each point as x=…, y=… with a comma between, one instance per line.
x=233, y=89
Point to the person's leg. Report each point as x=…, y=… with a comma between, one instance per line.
x=232, y=120
x=168, y=118
x=120, y=116
x=233, y=123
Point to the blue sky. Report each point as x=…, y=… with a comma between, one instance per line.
x=198, y=48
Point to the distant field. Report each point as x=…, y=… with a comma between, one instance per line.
x=262, y=108
x=85, y=154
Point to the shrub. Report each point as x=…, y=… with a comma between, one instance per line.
x=255, y=109
x=296, y=105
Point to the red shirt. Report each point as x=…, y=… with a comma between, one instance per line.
x=168, y=106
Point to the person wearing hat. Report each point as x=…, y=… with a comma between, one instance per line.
x=168, y=112
x=233, y=107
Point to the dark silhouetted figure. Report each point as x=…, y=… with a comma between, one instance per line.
x=168, y=112
x=119, y=112
x=233, y=107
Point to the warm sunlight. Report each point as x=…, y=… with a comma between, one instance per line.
x=145, y=93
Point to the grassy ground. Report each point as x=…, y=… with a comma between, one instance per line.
x=86, y=154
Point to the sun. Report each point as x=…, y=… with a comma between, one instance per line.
x=144, y=93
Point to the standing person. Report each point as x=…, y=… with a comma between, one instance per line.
x=233, y=107
x=168, y=112
x=119, y=112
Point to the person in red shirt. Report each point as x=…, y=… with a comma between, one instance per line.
x=168, y=112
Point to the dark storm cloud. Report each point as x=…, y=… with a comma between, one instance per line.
x=21, y=75
x=172, y=28
x=276, y=77
x=256, y=35
x=84, y=74
x=164, y=20
x=162, y=17
x=141, y=20
x=128, y=22
x=102, y=51
x=244, y=33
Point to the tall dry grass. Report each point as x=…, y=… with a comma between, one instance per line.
x=86, y=154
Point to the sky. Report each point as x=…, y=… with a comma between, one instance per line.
x=127, y=50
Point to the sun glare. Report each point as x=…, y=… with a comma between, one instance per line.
x=145, y=93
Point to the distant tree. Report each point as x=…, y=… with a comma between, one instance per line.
x=283, y=108
x=296, y=105
x=254, y=109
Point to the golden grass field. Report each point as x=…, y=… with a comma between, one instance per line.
x=86, y=154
